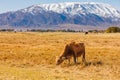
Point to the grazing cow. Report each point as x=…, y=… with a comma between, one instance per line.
x=86, y=33
x=74, y=50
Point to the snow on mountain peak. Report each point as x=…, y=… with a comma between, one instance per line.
x=73, y=8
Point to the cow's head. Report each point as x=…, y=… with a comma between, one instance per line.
x=59, y=60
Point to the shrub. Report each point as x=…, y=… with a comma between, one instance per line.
x=113, y=30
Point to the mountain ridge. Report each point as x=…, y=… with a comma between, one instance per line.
x=85, y=13
x=77, y=7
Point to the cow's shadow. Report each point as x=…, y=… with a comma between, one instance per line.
x=94, y=63
x=91, y=63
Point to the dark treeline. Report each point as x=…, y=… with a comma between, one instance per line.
x=96, y=31
x=109, y=30
x=4, y=30
x=50, y=30
x=36, y=30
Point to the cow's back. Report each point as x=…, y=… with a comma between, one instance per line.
x=78, y=48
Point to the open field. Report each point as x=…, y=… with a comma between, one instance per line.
x=31, y=56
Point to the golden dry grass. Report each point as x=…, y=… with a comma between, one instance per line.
x=31, y=56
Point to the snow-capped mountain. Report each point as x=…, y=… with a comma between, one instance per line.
x=79, y=13
x=73, y=8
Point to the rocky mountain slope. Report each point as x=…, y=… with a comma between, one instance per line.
x=78, y=13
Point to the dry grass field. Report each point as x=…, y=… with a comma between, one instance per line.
x=31, y=56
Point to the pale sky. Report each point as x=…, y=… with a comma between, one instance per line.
x=13, y=5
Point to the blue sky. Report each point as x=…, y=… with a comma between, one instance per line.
x=12, y=5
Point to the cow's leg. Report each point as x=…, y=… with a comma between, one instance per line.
x=83, y=58
x=74, y=56
x=69, y=60
x=76, y=59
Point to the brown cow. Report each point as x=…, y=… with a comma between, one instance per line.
x=86, y=33
x=72, y=50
